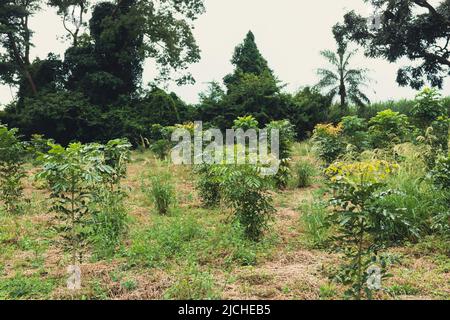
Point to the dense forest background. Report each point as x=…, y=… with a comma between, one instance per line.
x=95, y=91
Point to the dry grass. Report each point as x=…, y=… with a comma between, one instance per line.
x=284, y=268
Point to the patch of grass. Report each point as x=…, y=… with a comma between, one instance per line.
x=196, y=237
x=26, y=287
x=402, y=290
x=193, y=284
x=327, y=291
x=304, y=174
x=313, y=222
x=129, y=285
x=162, y=192
x=166, y=239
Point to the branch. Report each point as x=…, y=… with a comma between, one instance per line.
x=425, y=4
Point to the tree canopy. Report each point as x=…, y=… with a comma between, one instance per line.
x=416, y=29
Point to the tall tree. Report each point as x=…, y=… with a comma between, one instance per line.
x=416, y=29
x=247, y=59
x=15, y=39
x=341, y=79
x=73, y=14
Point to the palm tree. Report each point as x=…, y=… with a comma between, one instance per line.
x=341, y=79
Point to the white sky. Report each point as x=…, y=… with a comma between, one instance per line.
x=289, y=33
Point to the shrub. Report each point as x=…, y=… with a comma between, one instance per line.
x=12, y=156
x=117, y=156
x=388, y=128
x=441, y=173
x=37, y=147
x=72, y=174
x=304, y=171
x=354, y=132
x=161, y=148
x=328, y=142
x=208, y=186
x=441, y=178
x=245, y=123
x=245, y=191
x=359, y=222
x=286, y=139
x=162, y=192
x=428, y=107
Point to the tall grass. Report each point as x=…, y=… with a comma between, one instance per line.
x=415, y=197
x=304, y=174
x=162, y=192
x=313, y=221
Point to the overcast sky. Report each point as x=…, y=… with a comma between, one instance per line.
x=289, y=33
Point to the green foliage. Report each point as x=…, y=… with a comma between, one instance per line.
x=360, y=223
x=109, y=222
x=161, y=148
x=62, y=116
x=117, y=156
x=162, y=192
x=245, y=191
x=305, y=171
x=38, y=146
x=441, y=173
x=307, y=108
x=354, y=132
x=12, y=157
x=388, y=128
x=208, y=186
x=26, y=287
x=72, y=174
x=314, y=222
x=340, y=79
x=286, y=139
x=401, y=27
x=193, y=284
x=328, y=142
x=427, y=108
x=245, y=123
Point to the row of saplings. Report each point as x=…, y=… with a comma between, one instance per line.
x=84, y=186
x=86, y=195
x=361, y=157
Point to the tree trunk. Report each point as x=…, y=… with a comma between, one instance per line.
x=21, y=64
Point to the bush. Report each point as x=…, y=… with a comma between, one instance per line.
x=388, y=128
x=117, y=156
x=245, y=123
x=441, y=173
x=304, y=171
x=12, y=157
x=328, y=142
x=162, y=192
x=72, y=175
x=354, y=132
x=245, y=191
x=359, y=222
x=208, y=186
x=428, y=107
x=286, y=139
